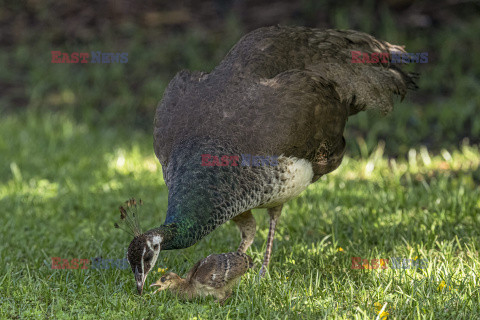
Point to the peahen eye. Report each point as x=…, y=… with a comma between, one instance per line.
x=148, y=257
x=155, y=247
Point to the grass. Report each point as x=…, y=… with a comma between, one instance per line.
x=75, y=142
x=62, y=182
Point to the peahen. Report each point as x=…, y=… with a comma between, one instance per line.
x=282, y=93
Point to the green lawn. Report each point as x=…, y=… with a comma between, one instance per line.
x=76, y=141
x=61, y=183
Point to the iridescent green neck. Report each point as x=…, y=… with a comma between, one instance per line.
x=190, y=217
x=201, y=198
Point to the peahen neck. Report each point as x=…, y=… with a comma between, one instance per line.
x=201, y=198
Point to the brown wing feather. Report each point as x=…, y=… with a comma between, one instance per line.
x=217, y=270
x=297, y=113
x=280, y=90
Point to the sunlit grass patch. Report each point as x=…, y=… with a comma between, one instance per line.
x=63, y=182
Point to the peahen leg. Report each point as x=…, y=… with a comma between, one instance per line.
x=247, y=225
x=274, y=214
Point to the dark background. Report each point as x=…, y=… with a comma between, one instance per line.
x=163, y=37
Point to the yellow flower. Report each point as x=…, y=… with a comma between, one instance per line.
x=378, y=306
x=443, y=285
x=162, y=270
x=340, y=249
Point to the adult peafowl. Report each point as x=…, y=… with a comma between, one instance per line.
x=282, y=93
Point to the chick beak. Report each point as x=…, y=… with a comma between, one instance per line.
x=156, y=284
x=140, y=279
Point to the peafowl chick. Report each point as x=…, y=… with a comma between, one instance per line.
x=215, y=275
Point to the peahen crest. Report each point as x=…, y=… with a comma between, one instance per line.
x=129, y=217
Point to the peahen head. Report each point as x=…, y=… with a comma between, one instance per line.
x=142, y=255
x=143, y=251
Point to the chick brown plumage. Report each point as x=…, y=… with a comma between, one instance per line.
x=215, y=275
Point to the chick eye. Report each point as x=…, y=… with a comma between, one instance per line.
x=162, y=279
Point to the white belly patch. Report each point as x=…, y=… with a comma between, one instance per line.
x=293, y=175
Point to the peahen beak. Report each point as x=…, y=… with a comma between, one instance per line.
x=140, y=279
